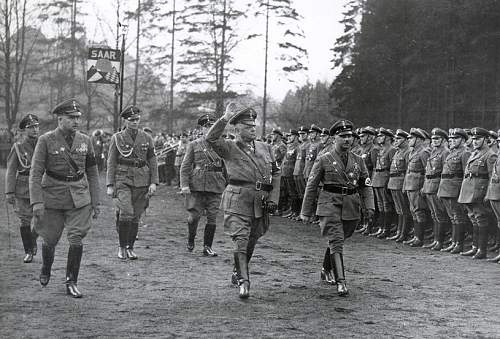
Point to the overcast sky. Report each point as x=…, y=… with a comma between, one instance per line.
x=320, y=24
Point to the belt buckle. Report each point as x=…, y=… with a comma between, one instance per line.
x=344, y=190
x=258, y=186
x=136, y=162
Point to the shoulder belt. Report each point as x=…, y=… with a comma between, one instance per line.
x=67, y=156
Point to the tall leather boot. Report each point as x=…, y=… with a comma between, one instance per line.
x=250, y=248
x=405, y=228
x=236, y=276
x=72, y=270
x=475, y=238
x=244, y=282
x=419, y=235
x=208, y=240
x=460, y=235
x=482, y=243
x=399, y=230
x=441, y=231
x=47, y=260
x=132, y=234
x=435, y=226
x=123, y=230
x=453, y=239
x=380, y=224
x=34, y=237
x=326, y=271
x=496, y=245
x=415, y=231
x=27, y=243
x=192, y=228
x=337, y=262
x=386, y=225
x=117, y=220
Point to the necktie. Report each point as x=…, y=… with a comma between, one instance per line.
x=69, y=139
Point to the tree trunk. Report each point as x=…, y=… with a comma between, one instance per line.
x=264, y=99
x=136, y=75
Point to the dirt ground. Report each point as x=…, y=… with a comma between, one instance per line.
x=395, y=291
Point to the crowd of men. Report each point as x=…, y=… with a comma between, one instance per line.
x=409, y=187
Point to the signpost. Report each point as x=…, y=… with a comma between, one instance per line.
x=104, y=66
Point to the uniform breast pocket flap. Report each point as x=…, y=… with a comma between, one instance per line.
x=234, y=190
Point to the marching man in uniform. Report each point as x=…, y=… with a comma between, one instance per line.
x=345, y=181
x=253, y=187
x=131, y=178
x=64, y=191
x=16, y=182
x=202, y=183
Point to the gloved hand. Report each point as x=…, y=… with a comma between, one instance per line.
x=271, y=206
x=152, y=190
x=38, y=210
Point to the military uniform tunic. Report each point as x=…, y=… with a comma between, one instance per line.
x=433, y=170
x=339, y=202
x=17, y=175
x=397, y=172
x=131, y=168
x=311, y=154
x=203, y=172
x=380, y=178
x=298, y=170
x=247, y=167
x=451, y=182
x=287, y=169
x=493, y=193
x=478, y=171
x=67, y=194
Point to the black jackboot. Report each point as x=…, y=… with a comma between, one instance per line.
x=435, y=226
x=405, y=229
x=27, y=243
x=47, y=260
x=453, y=239
x=123, y=230
x=482, y=244
x=475, y=238
x=34, y=236
x=380, y=223
x=244, y=282
x=192, y=228
x=399, y=230
x=441, y=231
x=386, y=225
x=460, y=235
x=337, y=262
x=208, y=240
x=419, y=235
x=326, y=271
x=72, y=270
x=236, y=276
x=132, y=234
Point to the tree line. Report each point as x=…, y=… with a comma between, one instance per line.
x=180, y=58
x=422, y=63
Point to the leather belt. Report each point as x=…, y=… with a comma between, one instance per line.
x=258, y=186
x=419, y=172
x=209, y=168
x=433, y=176
x=66, y=178
x=381, y=169
x=132, y=162
x=339, y=189
x=24, y=172
x=397, y=174
x=480, y=176
x=452, y=175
